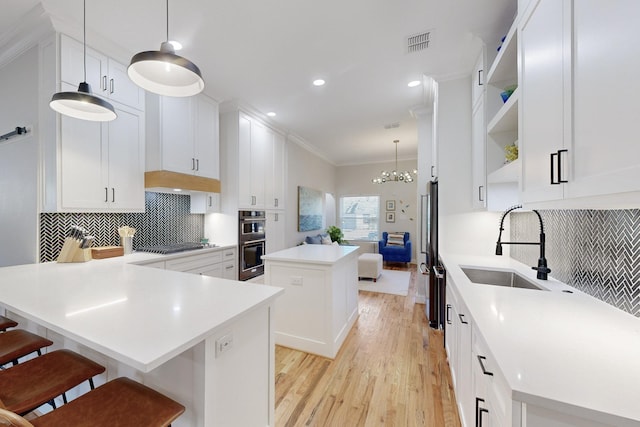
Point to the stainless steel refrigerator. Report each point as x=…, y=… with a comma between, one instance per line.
x=435, y=308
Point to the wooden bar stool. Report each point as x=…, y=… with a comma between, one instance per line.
x=30, y=384
x=6, y=323
x=119, y=403
x=18, y=343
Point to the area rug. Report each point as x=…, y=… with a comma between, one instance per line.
x=390, y=282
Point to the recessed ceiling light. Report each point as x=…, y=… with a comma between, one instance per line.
x=177, y=189
x=176, y=44
x=271, y=114
x=414, y=83
x=319, y=82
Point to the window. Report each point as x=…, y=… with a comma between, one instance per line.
x=359, y=217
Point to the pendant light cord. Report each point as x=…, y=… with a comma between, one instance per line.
x=167, y=20
x=84, y=36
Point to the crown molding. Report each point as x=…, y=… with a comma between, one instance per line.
x=26, y=33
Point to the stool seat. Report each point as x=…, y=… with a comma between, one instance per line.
x=370, y=266
x=121, y=402
x=6, y=323
x=17, y=343
x=30, y=384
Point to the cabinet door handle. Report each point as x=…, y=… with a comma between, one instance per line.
x=480, y=411
x=432, y=175
x=448, y=319
x=253, y=200
x=464, y=322
x=560, y=180
x=276, y=217
x=229, y=254
x=210, y=201
x=553, y=168
x=104, y=83
x=113, y=195
x=480, y=188
x=275, y=202
x=480, y=78
x=111, y=86
x=197, y=164
x=193, y=164
x=484, y=370
x=106, y=194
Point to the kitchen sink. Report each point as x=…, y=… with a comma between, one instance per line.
x=508, y=278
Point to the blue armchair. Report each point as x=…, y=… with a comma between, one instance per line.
x=395, y=247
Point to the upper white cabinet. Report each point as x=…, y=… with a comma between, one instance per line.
x=478, y=135
x=107, y=77
x=183, y=135
x=578, y=138
x=88, y=166
x=275, y=231
x=253, y=166
x=478, y=79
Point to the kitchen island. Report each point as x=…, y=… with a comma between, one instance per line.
x=200, y=340
x=320, y=303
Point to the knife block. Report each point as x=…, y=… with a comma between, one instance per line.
x=71, y=251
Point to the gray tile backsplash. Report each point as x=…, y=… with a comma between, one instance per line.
x=167, y=219
x=596, y=251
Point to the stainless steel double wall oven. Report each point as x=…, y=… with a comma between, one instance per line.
x=251, y=241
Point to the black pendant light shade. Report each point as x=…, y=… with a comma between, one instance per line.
x=83, y=105
x=165, y=73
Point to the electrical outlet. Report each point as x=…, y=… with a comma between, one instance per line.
x=224, y=344
x=296, y=280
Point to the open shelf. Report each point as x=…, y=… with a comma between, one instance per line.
x=505, y=66
x=507, y=173
x=506, y=119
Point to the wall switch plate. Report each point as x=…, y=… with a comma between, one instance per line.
x=224, y=344
x=296, y=280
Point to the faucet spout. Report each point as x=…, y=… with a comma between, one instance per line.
x=542, y=269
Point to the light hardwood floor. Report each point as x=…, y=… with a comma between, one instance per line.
x=391, y=371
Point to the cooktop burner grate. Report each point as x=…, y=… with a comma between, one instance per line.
x=170, y=249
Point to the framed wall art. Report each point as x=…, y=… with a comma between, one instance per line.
x=391, y=205
x=310, y=210
x=391, y=216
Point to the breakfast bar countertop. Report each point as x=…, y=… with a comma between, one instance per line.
x=139, y=316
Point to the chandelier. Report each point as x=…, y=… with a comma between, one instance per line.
x=395, y=175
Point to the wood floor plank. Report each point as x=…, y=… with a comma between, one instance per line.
x=391, y=371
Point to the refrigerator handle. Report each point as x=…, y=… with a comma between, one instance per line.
x=438, y=274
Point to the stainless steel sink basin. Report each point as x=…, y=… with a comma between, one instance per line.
x=506, y=278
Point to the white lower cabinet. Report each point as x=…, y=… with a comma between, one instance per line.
x=220, y=263
x=491, y=394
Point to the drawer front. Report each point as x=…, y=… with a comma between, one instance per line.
x=193, y=262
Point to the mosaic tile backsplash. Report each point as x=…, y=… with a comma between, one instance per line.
x=167, y=219
x=595, y=251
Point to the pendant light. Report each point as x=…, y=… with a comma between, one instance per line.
x=395, y=175
x=83, y=104
x=165, y=73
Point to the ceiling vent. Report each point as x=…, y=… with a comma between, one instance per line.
x=420, y=41
x=392, y=125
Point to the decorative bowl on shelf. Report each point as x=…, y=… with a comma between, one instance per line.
x=508, y=91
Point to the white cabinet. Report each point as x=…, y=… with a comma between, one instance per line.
x=183, y=135
x=107, y=77
x=458, y=347
x=545, y=99
x=492, y=396
x=101, y=165
x=204, y=203
x=478, y=157
x=253, y=165
x=478, y=80
x=275, y=231
x=215, y=263
x=578, y=133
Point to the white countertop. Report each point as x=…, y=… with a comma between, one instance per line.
x=136, y=315
x=312, y=254
x=555, y=349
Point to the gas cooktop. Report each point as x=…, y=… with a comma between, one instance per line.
x=171, y=248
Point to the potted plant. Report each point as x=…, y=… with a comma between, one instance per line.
x=336, y=235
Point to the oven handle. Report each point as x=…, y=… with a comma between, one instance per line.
x=249, y=242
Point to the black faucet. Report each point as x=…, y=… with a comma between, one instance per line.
x=542, y=268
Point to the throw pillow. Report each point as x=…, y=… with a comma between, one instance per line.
x=314, y=240
x=326, y=240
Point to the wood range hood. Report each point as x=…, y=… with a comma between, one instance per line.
x=162, y=180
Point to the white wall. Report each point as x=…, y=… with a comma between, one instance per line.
x=461, y=229
x=356, y=180
x=307, y=170
x=19, y=160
